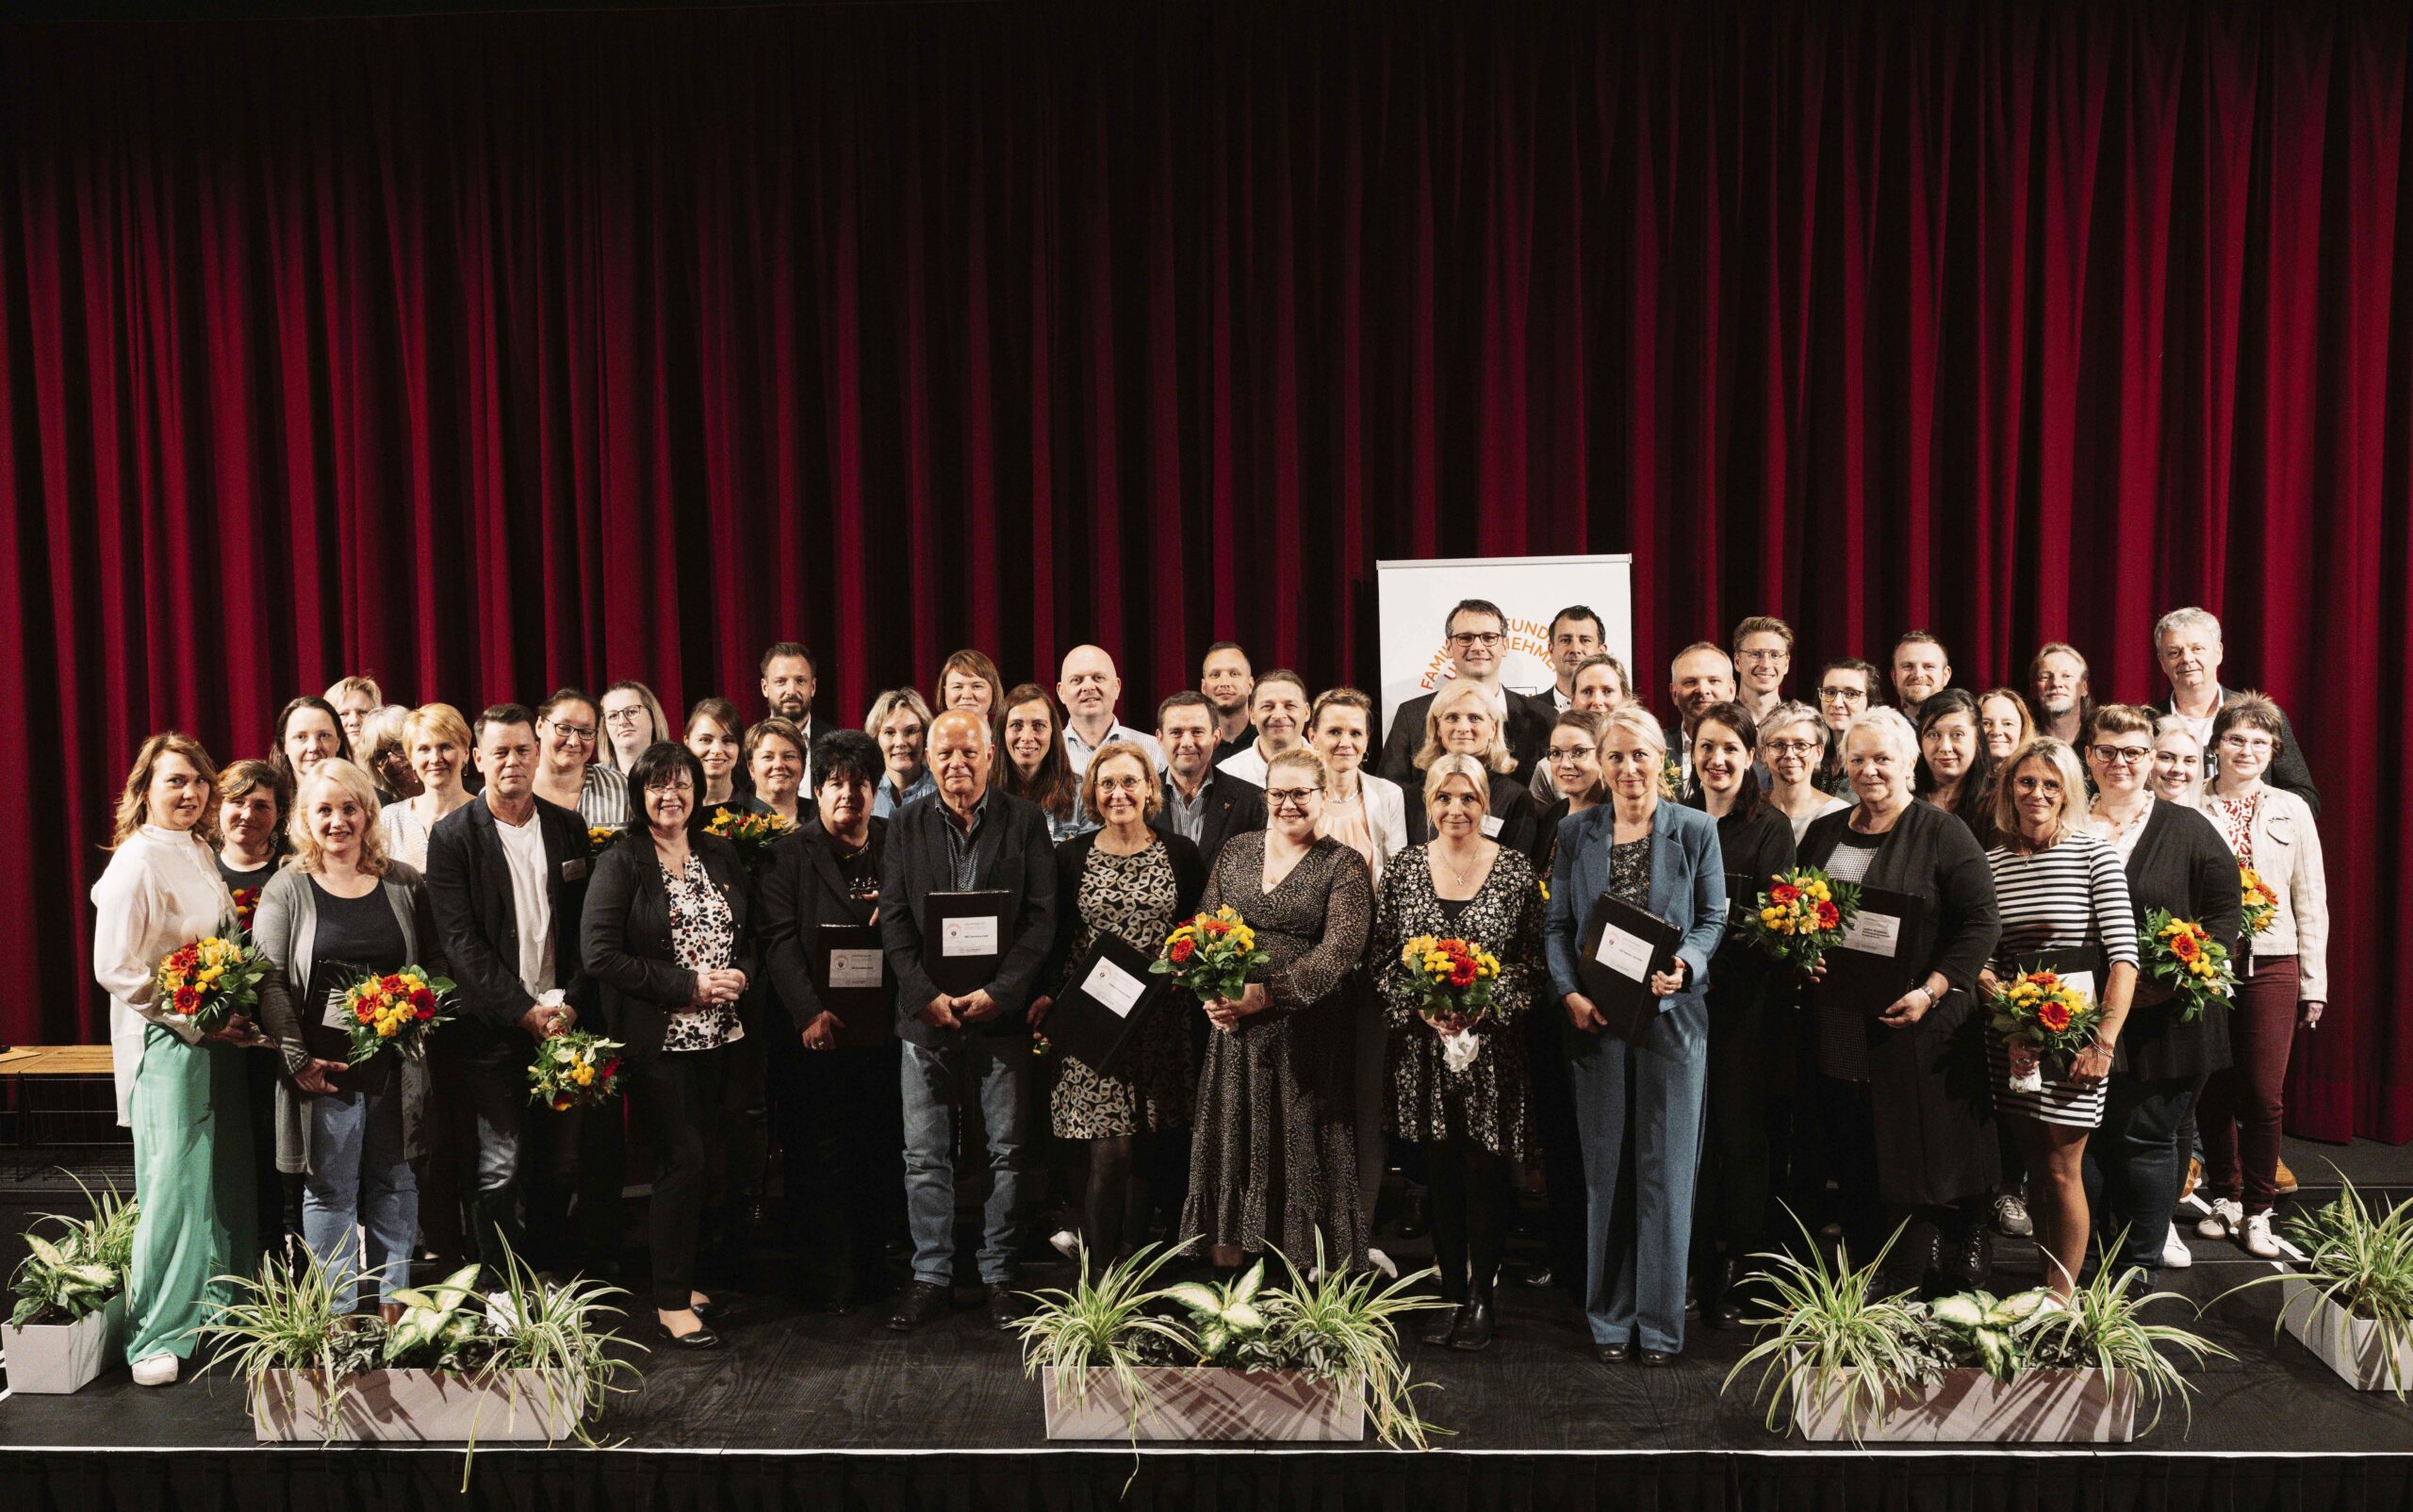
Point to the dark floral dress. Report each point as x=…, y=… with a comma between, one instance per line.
x=703, y=939
x=1274, y=1160
x=1134, y=898
x=1487, y=1103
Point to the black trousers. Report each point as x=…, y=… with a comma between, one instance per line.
x=842, y=1136
x=1561, y=1143
x=537, y=1169
x=681, y=1100
x=1749, y=1052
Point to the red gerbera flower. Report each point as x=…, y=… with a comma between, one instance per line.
x=1784, y=891
x=1183, y=950
x=2053, y=1014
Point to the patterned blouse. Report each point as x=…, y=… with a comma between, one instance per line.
x=703, y=940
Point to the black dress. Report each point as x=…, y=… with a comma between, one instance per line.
x=1750, y=1039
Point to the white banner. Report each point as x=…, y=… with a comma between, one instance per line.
x=1413, y=598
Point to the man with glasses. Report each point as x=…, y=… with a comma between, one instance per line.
x=2187, y=643
x=1477, y=635
x=1763, y=659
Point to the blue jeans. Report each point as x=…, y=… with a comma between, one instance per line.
x=2134, y=1161
x=1639, y=1112
x=359, y=1179
x=1000, y=1072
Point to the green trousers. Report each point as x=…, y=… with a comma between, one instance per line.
x=193, y=1172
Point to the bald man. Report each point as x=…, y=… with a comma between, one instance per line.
x=973, y=838
x=1702, y=675
x=1089, y=688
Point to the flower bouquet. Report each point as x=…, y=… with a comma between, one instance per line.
x=1211, y=955
x=2040, y=1010
x=576, y=1068
x=247, y=902
x=603, y=837
x=2262, y=905
x=1453, y=980
x=211, y=980
x=751, y=833
x=398, y=1009
x=1802, y=916
x=2180, y=955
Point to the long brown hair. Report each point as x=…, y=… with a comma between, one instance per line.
x=134, y=804
x=1053, y=788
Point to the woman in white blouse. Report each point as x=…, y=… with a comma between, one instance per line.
x=1366, y=812
x=183, y=1093
x=2283, y=980
x=437, y=741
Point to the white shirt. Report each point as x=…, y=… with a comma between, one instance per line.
x=405, y=837
x=532, y=900
x=1080, y=751
x=161, y=890
x=1248, y=765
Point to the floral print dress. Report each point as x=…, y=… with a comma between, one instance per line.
x=1135, y=899
x=703, y=939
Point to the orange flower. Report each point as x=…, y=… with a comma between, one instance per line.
x=2186, y=947
x=2053, y=1014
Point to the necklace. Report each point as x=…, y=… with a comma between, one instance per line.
x=1457, y=874
x=2121, y=827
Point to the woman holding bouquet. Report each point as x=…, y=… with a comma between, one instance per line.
x=345, y=910
x=1751, y=1003
x=2282, y=982
x=1131, y=881
x=1467, y=1114
x=1638, y=1106
x=1909, y=1123
x=2175, y=862
x=666, y=936
x=180, y=1090
x=1273, y=1156
x=2058, y=887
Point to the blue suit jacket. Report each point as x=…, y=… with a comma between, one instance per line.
x=1687, y=888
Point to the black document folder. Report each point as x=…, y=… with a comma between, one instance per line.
x=1622, y=946
x=850, y=972
x=1883, y=952
x=964, y=938
x=1106, y=1003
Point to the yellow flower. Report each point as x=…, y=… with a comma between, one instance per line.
x=583, y=1074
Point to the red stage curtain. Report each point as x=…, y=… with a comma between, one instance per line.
x=490, y=353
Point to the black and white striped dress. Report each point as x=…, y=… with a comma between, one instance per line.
x=2074, y=895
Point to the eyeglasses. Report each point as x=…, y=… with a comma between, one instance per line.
x=624, y=717
x=2122, y=755
x=2240, y=740
x=1792, y=747
x=1485, y=638
x=1569, y=753
x=1289, y=797
x=1842, y=696
x=575, y=733
x=1762, y=656
x=677, y=785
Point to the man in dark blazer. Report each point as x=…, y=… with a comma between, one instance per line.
x=975, y=838
x=1477, y=634
x=1202, y=805
x=2187, y=643
x=506, y=875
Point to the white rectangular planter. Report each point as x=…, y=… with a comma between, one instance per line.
x=1178, y=1404
x=53, y=1359
x=2352, y=1346
x=419, y=1406
x=1968, y=1405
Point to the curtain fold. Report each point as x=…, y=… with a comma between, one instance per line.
x=494, y=352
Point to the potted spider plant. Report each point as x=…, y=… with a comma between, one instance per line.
x=69, y=1322
x=1315, y=1357
x=2351, y=1301
x=532, y=1364
x=1850, y=1362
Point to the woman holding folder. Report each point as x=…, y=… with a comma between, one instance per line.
x=1129, y=880
x=1901, y=1045
x=1663, y=860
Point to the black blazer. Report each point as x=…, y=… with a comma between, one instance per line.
x=469, y=883
x=1757, y=848
x=1233, y=807
x=626, y=935
x=2288, y=770
x=1012, y=855
x=1189, y=880
x=801, y=890
x=1511, y=804
x=2181, y=863
x=1528, y=735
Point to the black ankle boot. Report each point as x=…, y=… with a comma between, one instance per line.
x=1413, y=1220
x=1477, y=1325
x=1726, y=1304
x=1442, y=1322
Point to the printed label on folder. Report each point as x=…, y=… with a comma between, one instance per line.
x=1114, y=987
x=1627, y=955
x=1491, y=826
x=1873, y=934
x=968, y=936
x=855, y=968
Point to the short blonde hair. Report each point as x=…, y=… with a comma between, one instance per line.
x=307, y=853
x=1455, y=764
x=345, y=685
x=1636, y=721
x=2064, y=761
x=1890, y=726
x=1118, y=750
x=383, y=727
x=1300, y=756
x=885, y=707
x=1453, y=693
x=439, y=720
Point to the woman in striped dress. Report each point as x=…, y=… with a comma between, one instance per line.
x=2059, y=887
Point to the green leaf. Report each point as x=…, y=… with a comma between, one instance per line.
x=1248, y=1282
x=1197, y=1298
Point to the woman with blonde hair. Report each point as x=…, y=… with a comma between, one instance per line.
x=1462, y=719
x=162, y=891
x=633, y=719
x=354, y=700
x=436, y=740
x=384, y=752
x=900, y=722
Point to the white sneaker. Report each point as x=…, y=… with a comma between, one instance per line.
x=1065, y=1243
x=2176, y=1255
x=1382, y=1262
x=159, y=1369
x=2224, y=1220
x=2258, y=1241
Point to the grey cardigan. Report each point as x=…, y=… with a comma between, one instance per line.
x=286, y=926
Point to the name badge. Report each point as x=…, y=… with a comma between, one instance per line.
x=573, y=870
x=856, y=968
x=968, y=936
x=1491, y=826
x=1114, y=987
x=1627, y=955
x=1875, y=934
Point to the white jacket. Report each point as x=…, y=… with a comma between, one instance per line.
x=160, y=891
x=2287, y=854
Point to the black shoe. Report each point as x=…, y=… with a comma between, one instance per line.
x=714, y=1306
x=702, y=1339
x=1476, y=1328
x=1540, y=1277
x=1441, y=1324
x=1005, y=1306
x=1692, y=1299
x=1969, y=1261
x=1414, y=1223
x=1655, y=1357
x=1613, y=1353
x=1726, y=1306
x=920, y=1302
